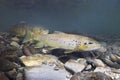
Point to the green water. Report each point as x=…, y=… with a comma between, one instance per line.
x=77, y=16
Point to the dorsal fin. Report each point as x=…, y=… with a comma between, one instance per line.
x=58, y=32
x=40, y=30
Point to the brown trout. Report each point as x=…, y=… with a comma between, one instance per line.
x=69, y=42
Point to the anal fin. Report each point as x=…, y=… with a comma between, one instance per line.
x=68, y=51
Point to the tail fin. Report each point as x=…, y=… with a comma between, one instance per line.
x=19, y=29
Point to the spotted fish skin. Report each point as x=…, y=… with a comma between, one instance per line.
x=59, y=41
x=68, y=41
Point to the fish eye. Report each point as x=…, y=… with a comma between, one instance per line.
x=85, y=43
x=90, y=43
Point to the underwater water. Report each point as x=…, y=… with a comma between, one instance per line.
x=74, y=16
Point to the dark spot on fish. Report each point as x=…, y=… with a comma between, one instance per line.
x=75, y=41
x=85, y=43
x=90, y=43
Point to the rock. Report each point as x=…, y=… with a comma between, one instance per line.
x=6, y=65
x=13, y=43
x=115, y=58
x=39, y=59
x=27, y=51
x=82, y=61
x=88, y=67
x=75, y=66
x=96, y=62
x=12, y=74
x=15, y=74
x=108, y=71
x=46, y=72
x=3, y=76
x=112, y=56
x=110, y=63
x=30, y=50
x=10, y=52
x=101, y=69
x=20, y=76
x=15, y=39
x=90, y=76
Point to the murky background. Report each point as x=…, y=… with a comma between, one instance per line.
x=74, y=16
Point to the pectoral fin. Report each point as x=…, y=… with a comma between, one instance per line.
x=39, y=45
x=28, y=37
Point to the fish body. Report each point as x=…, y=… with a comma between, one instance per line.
x=65, y=41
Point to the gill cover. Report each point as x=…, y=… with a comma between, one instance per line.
x=88, y=44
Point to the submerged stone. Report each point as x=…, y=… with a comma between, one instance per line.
x=96, y=62
x=46, y=72
x=6, y=65
x=113, y=73
x=39, y=59
x=3, y=76
x=12, y=74
x=75, y=66
x=90, y=76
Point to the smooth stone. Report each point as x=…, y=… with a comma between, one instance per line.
x=13, y=43
x=45, y=72
x=90, y=76
x=20, y=76
x=38, y=59
x=97, y=62
x=6, y=65
x=88, y=67
x=16, y=39
x=82, y=61
x=12, y=74
x=2, y=76
x=109, y=71
x=74, y=66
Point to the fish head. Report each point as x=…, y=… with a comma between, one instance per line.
x=88, y=44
